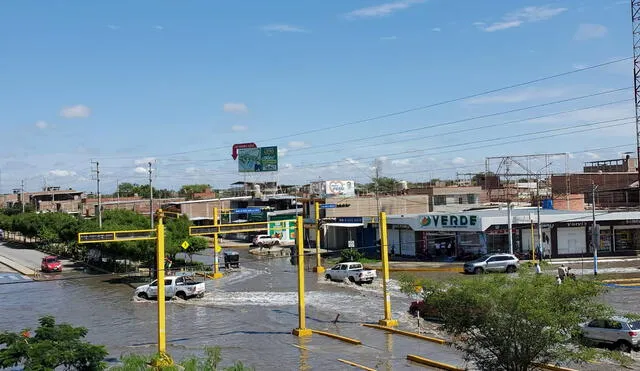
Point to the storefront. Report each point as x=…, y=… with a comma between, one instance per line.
x=461, y=236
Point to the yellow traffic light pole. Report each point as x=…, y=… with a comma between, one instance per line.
x=387, y=321
x=216, y=247
x=301, y=330
x=162, y=336
x=318, y=268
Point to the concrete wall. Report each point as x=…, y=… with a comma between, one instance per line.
x=366, y=206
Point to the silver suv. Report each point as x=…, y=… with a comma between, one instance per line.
x=617, y=332
x=493, y=263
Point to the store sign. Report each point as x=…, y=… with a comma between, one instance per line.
x=448, y=221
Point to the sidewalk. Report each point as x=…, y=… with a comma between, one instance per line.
x=13, y=265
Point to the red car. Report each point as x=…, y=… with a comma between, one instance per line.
x=51, y=264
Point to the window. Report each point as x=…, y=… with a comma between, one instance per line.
x=439, y=200
x=597, y=323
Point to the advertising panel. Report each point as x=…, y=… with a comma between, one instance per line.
x=257, y=160
x=334, y=188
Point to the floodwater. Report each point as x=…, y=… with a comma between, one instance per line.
x=249, y=313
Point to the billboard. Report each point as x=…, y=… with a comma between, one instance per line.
x=334, y=188
x=257, y=160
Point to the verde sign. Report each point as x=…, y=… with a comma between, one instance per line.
x=257, y=160
x=448, y=221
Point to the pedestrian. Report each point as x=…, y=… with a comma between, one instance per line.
x=562, y=272
x=538, y=270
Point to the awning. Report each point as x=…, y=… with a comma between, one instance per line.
x=345, y=225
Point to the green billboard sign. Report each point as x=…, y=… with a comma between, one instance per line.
x=257, y=160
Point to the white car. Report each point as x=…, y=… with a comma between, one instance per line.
x=265, y=240
x=617, y=332
x=183, y=287
x=352, y=271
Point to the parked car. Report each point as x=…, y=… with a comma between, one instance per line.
x=265, y=240
x=493, y=263
x=183, y=287
x=231, y=259
x=352, y=271
x=51, y=264
x=616, y=332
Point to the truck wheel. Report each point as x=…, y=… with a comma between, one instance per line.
x=352, y=280
x=622, y=346
x=328, y=277
x=143, y=295
x=181, y=295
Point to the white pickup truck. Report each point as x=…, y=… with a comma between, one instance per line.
x=184, y=287
x=265, y=240
x=352, y=271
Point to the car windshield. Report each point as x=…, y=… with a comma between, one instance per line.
x=51, y=260
x=635, y=325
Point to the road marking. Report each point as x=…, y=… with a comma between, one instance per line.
x=356, y=365
x=432, y=363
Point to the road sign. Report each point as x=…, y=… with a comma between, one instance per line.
x=328, y=206
x=349, y=219
x=248, y=210
x=236, y=147
x=257, y=160
x=185, y=245
x=117, y=236
x=351, y=244
x=218, y=248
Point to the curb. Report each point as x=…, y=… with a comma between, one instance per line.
x=12, y=264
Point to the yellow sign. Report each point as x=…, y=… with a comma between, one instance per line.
x=218, y=248
x=116, y=236
x=185, y=245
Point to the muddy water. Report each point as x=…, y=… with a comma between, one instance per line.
x=249, y=313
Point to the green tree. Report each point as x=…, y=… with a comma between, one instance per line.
x=176, y=232
x=383, y=185
x=188, y=190
x=210, y=362
x=53, y=345
x=509, y=323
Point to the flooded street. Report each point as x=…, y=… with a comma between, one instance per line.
x=249, y=313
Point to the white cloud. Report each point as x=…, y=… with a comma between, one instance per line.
x=62, y=173
x=588, y=31
x=192, y=170
x=518, y=18
x=401, y=162
x=239, y=128
x=282, y=151
x=458, y=161
x=592, y=155
x=383, y=158
x=287, y=166
x=605, y=113
x=235, y=108
x=351, y=161
x=388, y=38
x=144, y=161
x=158, y=27
x=382, y=10
x=141, y=170
x=77, y=111
x=298, y=144
x=283, y=28
x=42, y=124
x=523, y=95
x=113, y=27
x=436, y=29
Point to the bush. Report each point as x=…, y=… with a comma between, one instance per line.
x=350, y=255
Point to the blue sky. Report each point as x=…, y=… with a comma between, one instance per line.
x=178, y=83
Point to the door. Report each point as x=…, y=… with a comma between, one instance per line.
x=153, y=289
x=408, y=238
x=572, y=240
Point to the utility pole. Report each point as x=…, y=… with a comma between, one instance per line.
x=22, y=194
x=595, y=231
x=509, y=226
x=150, y=197
x=118, y=193
x=98, y=192
x=539, y=224
x=635, y=24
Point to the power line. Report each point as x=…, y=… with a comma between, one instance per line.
x=398, y=113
